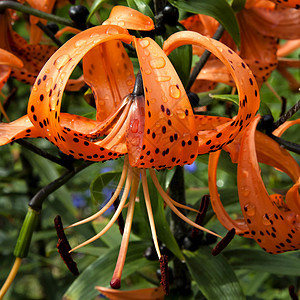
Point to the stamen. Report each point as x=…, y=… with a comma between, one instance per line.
x=110, y=202
x=201, y=215
x=292, y=293
x=149, y=211
x=116, y=278
x=166, y=198
x=120, y=219
x=115, y=216
x=64, y=247
x=224, y=242
x=164, y=270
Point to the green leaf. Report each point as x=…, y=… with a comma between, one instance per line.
x=218, y=9
x=142, y=7
x=213, y=275
x=99, y=183
x=258, y=260
x=99, y=273
x=162, y=227
x=96, y=5
x=232, y=98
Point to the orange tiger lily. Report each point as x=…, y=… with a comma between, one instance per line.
x=33, y=56
x=271, y=221
x=155, y=128
x=261, y=24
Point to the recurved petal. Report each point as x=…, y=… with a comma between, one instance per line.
x=169, y=137
x=45, y=99
x=9, y=59
x=288, y=3
x=156, y=293
x=20, y=128
x=266, y=222
x=129, y=18
x=110, y=76
x=244, y=80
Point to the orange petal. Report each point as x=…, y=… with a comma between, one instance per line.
x=21, y=128
x=245, y=82
x=282, y=128
x=288, y=47
x=7, y=58
x=292, y=198
x=45, y=99
x=147, y=294
x=288, y=3
x=280, y=23
x=110, y=76
x=265, y=221
x=222, y=215
x=169, y=136
x=129, y=18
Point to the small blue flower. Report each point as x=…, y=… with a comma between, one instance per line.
x=191, y=168
x=78, y=200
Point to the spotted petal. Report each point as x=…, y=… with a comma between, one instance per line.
x=45, y=99
x=241, y=74
x=169, y=136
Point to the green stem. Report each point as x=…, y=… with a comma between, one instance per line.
x=34, y=12
x=203, y=59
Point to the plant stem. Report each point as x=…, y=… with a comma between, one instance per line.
x=49, y=33
x=11, y=277
x=179, y=228
x=37, y=201
x=288, y=114
x=35, y=12
x=44, y=154
x=203, y=59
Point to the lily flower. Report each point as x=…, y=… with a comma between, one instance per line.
x=148, y=118
x=269, y=219
x=261, y=25
x=33, y=56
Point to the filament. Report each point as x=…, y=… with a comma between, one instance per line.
x=173, y=208
x=149, y=211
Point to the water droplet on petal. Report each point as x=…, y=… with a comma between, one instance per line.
x=144, y=43
x=35, y=88
x=250, y=209
x=135, y=141
x=162, y=78
x=265, y=220
x=245, y=191
x=80, y=43
x=157, y=63
x=148, y=71
x=175, y=91
x=121, y=24
x=134, y=126
x=48, y=84
x=61, y=61
x=180, y=113
x=112, y=30
x=129, y=82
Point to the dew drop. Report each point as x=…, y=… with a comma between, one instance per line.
x=175, y=92
x=157, y=63
x=162, y=78
x=121, y=24
x=265, y=221
x=48, y=84
x=80, y=43
x=181, y=114
x=148, y=71
x=135, y=141
x=35, y=88
x=112, y=31
x=61, y=61
x=144, y=43
x=134, y=126
x=245, y=191
x=250, y=209
x=129, y=82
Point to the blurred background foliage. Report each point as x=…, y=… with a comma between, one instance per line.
x=243, y=270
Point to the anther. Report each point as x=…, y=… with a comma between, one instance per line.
x=138, y=89
x=201, y=215
x=224, y=242
x=164, y=270
x=64, y=247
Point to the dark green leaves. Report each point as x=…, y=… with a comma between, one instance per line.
x=218, y=9
x=213, y=275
